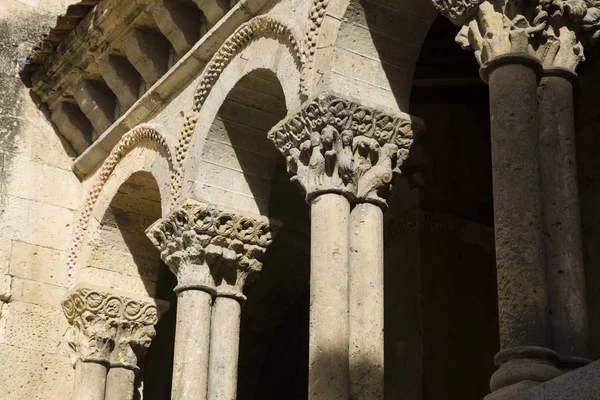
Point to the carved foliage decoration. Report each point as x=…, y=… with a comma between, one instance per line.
x=572, y=26
x=262, y=26
x=555, y=31
x=495, y=27
x=211, y=248
x=336, y=145
x=129, y=141
x=100, y=320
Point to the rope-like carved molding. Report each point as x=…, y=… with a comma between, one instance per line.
x=212, y=249
x=108, y=327
x=259, y=27
x=127, y=143
x=316, y=15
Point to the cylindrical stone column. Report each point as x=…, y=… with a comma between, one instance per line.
x=90, y=380
x=328, y=340
x=224, y=349
x=525, y=358
x=562, y=226
x=192, y=341
x=120, y=383
x=366, y=302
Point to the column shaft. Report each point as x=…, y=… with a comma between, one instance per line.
x=522, y=290
x=120, y=384
x=90, y=381
x=366, y=302
x=328, y=339
x=192, y=338
x=224, y=349
x=562, y=226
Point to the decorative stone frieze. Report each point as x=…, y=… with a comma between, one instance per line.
x=335, y=145
x=554, y=31
x=103, y=323
x=210, y=249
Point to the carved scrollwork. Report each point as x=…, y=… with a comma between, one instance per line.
x=211, y=249
x=100, y=320
x=336, y=145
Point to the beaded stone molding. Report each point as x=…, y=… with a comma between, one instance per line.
x=256, y=28
x=100, y=318
x=128, y=142
x=333, y=144
x=210, y=249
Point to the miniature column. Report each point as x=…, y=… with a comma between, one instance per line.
x=338, y=150
x=560, y=55
x=184, y=251
x=236, y=261
x=96, y=316
x=503, y=51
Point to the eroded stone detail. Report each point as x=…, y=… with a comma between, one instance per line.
x=100, y=320
x=125, y=145
x=573, y=25
x=336, y=145
x=316, y=15
x=555, y=31
x=210, y=249
x=263, y=26
x=495, y=27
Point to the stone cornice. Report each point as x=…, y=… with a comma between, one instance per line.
x=210, y=249
x=554, y=31
x=101, y=318
x=334, y=144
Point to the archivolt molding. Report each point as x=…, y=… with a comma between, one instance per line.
x=127, y=143
x=554, y=31
x=259, y=27
x=316, y=15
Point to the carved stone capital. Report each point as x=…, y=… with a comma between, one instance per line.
x=103, y=322
x=493, y=28
x=210, y=249
x=573, y=25
x=554, y=31
x=335, y=145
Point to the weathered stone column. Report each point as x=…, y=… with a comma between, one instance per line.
x=340, y=151
x=98, y=318
x=211, y=252
x=569, y=30
x=237, y=261
x=185, y=252
x=512, y=72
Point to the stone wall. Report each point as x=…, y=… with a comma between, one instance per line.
x=38, y=198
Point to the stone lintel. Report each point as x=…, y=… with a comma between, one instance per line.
x=110, y=327
x=333, y=144
x=211, y=249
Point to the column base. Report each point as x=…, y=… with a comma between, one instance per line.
x=520, y=368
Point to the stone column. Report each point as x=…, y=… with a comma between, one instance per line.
x=569, y=30
x=504, y=50
x=98, y=320
x=213, y=253
x=340, y=151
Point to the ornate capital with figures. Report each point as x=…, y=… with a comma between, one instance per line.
x=335, y=145
x=210, y=249
x=110, y=328
x=553, y=31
